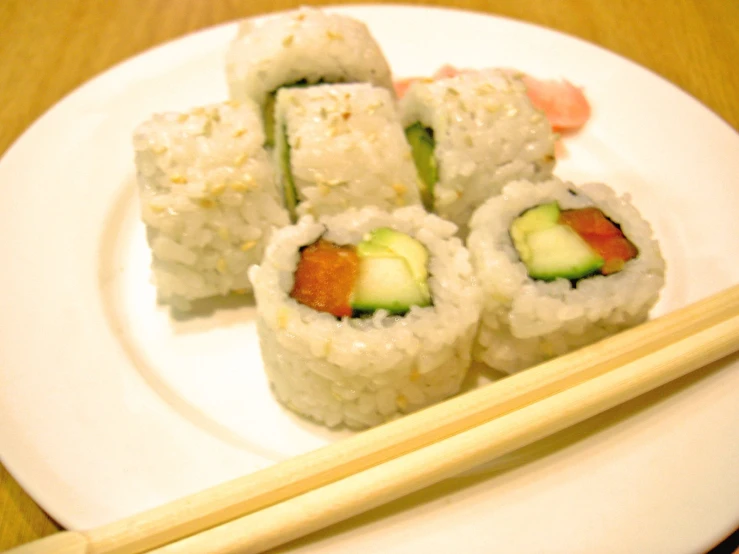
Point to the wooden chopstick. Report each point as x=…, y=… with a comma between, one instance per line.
x=420, y=433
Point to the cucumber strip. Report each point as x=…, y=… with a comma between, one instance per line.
x=421, y=140
x=289, y=193
x=269, y=119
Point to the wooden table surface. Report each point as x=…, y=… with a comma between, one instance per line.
x=49, y=47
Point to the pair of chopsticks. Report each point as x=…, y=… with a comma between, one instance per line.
x=308, y=492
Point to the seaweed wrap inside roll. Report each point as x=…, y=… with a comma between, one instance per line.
x=471, y=134
x=209, y=199
x=560, y=267
x=304, y=47
x=341, y=146
x=366, y=315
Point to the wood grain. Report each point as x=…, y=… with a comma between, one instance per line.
x=49, y=47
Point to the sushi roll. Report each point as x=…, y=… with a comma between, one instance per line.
x=340, y=146
x=560, y=267
x=208, y=197
x=303, y=47
x=366, y=315
x=471, y=134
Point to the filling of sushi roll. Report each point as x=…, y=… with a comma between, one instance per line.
x=421, y=140
x=289, y=192
x=387, y=270
x=569, y=244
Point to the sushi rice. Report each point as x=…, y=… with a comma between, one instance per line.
x=526, y=321
x=208, y=197
x=363, y=371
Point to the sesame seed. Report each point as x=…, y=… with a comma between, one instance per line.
x=415, y=375
x=399, y=188
x=401, y=401
x=282, y=317
x=178, y=179
x=218, y=188
x=223, y=233
x=248, y=245
x=206, y=203
x=332, y=35
x=239, y=186
x=240, y=159
x=240, y=132
x=181, y=118
x=287, y=41
x=221, y=265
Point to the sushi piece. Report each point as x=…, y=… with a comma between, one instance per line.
x=304, y=47
x=340, y=146
x=560, y=267
x=209, y=199
x=471, y=134
x=365, y=315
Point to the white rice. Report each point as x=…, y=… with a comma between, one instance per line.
x=486, y=133
x=307, y=44
x=346, y=149
x=363, y=371
x=526, y=321
x=208, y=197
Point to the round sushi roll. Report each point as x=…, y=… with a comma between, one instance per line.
x=342, y=146
x=560, y=267
x=303, y=47
x=471, y=134
x=209, y=199
x=365, y=315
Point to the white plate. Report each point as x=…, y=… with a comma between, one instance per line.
x=108, y=406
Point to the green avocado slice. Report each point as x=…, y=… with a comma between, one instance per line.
x=400, y=244
x=393, y=273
